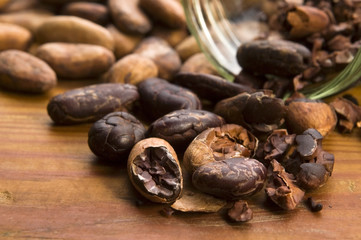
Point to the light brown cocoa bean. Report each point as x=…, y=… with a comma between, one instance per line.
x=132, y=69
x=162, y=54
x=128, y=17
x=74, y=30
x=71, y=60
x=20, y=71
x=169, y=12
x=198, y=63
x=94, y=12
x=124, y=43
x=187, y=48
x=14, y=37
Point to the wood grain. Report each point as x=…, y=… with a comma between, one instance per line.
x=52, y=187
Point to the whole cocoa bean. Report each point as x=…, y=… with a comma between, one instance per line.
x=113, y=136
x=123, y=43
x=132, y=69
x=180, y=127
x=29, y=19
x=94, y=12
x=187, y=48
x=169, y=12
x=231, y=178
x=14, y=37
x=162, y=54
x=159, y=97
x=278, y=57
x=128, y=17
x=210, y=87
x=76, y=60
x=198, y=63
x=91, y=103
x=170, y=35
x=20, y=71
x=154, y=170
x=74, y=30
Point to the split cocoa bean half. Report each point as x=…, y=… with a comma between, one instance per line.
x=154, y=170
x=220, y=143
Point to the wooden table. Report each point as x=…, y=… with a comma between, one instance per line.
x=52, y=187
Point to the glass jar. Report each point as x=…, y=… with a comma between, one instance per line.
x=221, y=26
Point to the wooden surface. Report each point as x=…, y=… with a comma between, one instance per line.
x=52, y=187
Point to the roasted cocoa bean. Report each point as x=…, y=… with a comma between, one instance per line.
x=162, y=54
x=231, y=178
x=91, y=103
x=312, y=176
x=257, y=111
x=72, y=29
x=128, y=17
x=20, y=71
x=74, y=61
x=240, y=212
x=159, y=97
x=209, y=87
x=113, y=136
x=280, y=58
x=154, y=170
x=180, y=127
x=217, y=144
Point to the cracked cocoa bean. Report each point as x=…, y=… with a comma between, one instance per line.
x=231, y=178
x=180, y=127
x=217, y=144
x=348, y=112
x=159, y=97
x=312, y=176
x=113, y=136
x=91, y=103
x=277, y=57
x=257, y=111
x=154, y=170
x=281, y=187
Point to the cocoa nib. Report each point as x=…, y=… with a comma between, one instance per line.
x=257, y=111
x=281, y=187
x=240, y=212
x=348, y=112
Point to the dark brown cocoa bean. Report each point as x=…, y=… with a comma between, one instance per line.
x=312, y=176
x=113, y=136
x=154, y=170
x=180, y=127
x=209, y=87
x=91, y=103
x=278, y=57
x=20, y=71
x=159, y=97
x=232, y=178
x=257, y=111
